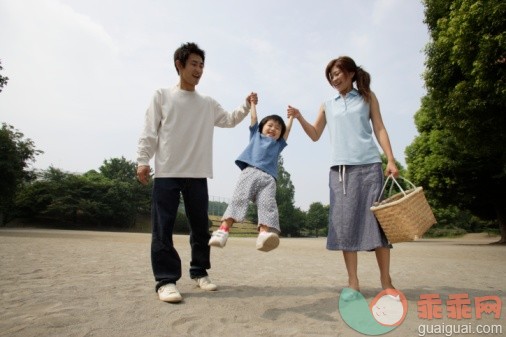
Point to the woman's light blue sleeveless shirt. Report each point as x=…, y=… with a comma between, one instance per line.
x=351, y=139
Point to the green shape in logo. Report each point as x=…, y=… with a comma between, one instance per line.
x=386, y=311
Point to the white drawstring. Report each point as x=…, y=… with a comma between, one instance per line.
x=342, y=178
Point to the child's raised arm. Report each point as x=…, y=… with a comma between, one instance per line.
x=253, y=112
x=288, y=127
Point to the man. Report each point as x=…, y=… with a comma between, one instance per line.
x=178, y=132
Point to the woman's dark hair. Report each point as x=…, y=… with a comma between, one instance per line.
x=347, y=66
x=183, y=53
x=275, y=118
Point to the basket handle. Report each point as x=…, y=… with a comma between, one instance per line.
x=391, y=185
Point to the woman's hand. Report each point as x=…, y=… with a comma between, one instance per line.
x=391, y=169
x=293, y=112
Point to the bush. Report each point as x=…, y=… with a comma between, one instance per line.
x=449, y=232
x=453, y=217
x=182, y=226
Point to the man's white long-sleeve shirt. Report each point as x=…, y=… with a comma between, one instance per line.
x=178, y=132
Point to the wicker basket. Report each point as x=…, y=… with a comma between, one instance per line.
x=405, y=216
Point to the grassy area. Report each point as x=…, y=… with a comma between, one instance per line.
x=238, y=229
x=244, y=229
x=455, y=232
x=452, y=232
x=143, y=224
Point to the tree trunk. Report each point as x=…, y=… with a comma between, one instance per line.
x=501, y=218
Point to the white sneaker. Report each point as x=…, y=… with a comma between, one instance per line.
x=267, y=241
x=218, y=238
x=205, y=283
x=169, y=293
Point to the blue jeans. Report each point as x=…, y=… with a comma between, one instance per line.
x=165, y=260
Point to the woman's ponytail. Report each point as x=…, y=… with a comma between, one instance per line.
x=363, y=80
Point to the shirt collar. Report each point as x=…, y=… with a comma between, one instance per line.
x=354, y=92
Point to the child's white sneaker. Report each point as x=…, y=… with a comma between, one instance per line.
x=267, y=241
x=218, y=238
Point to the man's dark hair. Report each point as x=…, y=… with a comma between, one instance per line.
x=183, y=53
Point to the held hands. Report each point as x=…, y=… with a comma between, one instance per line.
x=252, y=98
x=143, y=174
x=293, y=112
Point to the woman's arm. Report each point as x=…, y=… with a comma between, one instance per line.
x=314, y=131
x=382, y=136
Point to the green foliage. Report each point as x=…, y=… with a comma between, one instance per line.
x=181, y=225
x=285, y=194
x=459, y=156
x=252, y=213
x=3, y=79
x=217, y=207
x=447, y=232
x=317, y=218
x=466, y=73
x=453, y=221
x=17, y=155
x=91, y=199
x=391, y=187
x=119, y=169
x=298, y=219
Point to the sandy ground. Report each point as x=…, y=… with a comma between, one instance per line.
x=79, y=283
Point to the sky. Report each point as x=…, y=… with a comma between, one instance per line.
x=82, y=73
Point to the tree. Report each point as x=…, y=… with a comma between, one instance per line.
x=285, y=195
x=217, y=207
x=3, y=79
x=119, y=168
x=121, y=171
x=298, y=219
x=17, y=154
x=317, y=217
x=460, y=155
x=89, y=199
x=35, y=197
x=65, y=198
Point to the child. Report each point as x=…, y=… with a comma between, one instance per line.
x=257, y=182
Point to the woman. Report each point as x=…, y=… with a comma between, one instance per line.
x=356, y=177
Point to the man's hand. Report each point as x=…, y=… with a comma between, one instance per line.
x=143, y=174
x=252, y=98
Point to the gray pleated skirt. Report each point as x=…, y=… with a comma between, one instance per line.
x=352, y=225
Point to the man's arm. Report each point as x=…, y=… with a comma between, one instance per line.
x=148, y=141
x=225, y=119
